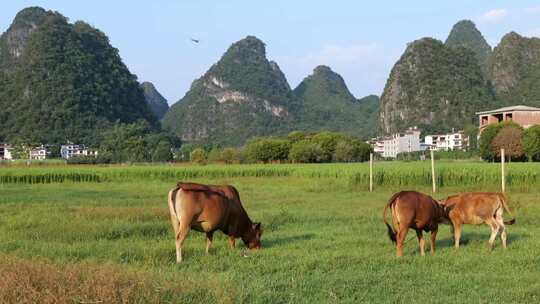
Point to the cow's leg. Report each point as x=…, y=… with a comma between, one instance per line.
x=433, y=239
x=401, y=234
x=180, y=238
x=232, y=242
x=457, y=235
x=494, y=230
x=420, y=237
x=502, y=228
x=209, y=238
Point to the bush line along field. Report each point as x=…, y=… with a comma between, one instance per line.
x=386, y=174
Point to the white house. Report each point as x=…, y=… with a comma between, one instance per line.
x=445, y=142
x=391, y=146
x=71, y=150
x=5, y=152
x=39, y=153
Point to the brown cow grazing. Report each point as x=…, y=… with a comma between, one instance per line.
x=208, y=208
x=411, y=209
x=477, y=208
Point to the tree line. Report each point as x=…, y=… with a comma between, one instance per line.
x=296, y=147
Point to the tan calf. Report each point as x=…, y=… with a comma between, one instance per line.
x=477, y=208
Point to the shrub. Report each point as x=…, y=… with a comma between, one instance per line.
x=296, y=136
x=531, y=143
x=198, y=156
x=486, y=138
x=510, y=139
x=352, y=150
x=228, y=155
x=305, y=151
x=327, y=141
x=214, y=155
x=267, y=149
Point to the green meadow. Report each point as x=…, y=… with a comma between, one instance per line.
x=102, y=235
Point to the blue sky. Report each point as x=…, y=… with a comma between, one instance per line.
x=361, y=41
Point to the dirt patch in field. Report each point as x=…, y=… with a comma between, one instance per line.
x=23, y=281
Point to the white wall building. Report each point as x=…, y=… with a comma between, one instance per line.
x=5, y=152
x=39, y=153
x=446, y=142
x=71, y=150
x=391, y=146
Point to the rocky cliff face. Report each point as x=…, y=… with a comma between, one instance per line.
x=13, y=41
x=514, y=63
x=325, y=103
x=433, y=86
x=157, y=103
x=465, y=34
x=241, y=96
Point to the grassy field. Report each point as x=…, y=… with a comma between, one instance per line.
x=324, y=242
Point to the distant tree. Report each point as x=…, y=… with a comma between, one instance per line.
x=531, y=143
x=127, y=142
x=228, y=155
x=162, y=152
x=214, y=155
x=352, y=151
x=20, y=151
x=345, y=152
x=471, y=132
x=509, y=138
x=296, y=136
x=184, y=152
x=486, y=149
x=198, y=156
x=327, y=141
x=305, y=151
x=267, y=149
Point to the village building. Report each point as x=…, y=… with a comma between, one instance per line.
x=5, y=152
x=446, y=142
x=39, y=153
x=71, y=150
x=391, y=146
x=524, y=116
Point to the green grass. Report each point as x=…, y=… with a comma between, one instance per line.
x=324, y=242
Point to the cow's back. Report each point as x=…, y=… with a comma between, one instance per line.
x=416, y=209
x=473, y=207
x=205, y=210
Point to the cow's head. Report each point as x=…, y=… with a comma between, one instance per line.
x=253, y=239
x=444, y=209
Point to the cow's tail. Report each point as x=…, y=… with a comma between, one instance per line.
x=172, y=208
x=503, y=199
x=391, y=232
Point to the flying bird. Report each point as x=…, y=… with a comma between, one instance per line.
x=195, y=40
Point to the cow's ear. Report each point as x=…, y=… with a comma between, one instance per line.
x=258, y=226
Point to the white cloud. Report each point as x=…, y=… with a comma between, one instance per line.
x=494, y=15
x=535, y=32
x=533, y=10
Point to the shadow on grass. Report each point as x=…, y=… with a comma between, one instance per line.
x=280, y=241
x=467, y=237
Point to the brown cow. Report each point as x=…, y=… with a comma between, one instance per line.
x=208, y=208
x=477, y=208
x=411, y=209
